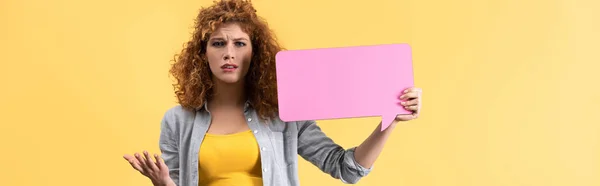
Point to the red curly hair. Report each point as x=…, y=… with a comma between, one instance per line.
x=192, y=73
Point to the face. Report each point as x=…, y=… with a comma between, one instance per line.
x=229, y=51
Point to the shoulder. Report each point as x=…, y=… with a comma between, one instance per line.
x=179, y=111
x=278, y=124
x=176, y=116
x=307, y=126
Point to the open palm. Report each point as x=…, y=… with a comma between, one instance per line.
x=157, y=171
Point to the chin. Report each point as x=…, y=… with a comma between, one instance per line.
x=229, y=79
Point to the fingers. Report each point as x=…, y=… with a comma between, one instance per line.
x=410, y=102
x=151, y=165
x=413, y=89
x=406, y=117
x=133, y=162
x=142, y=161
x=160, y=163
x=412, y=105
x=413, y=108
x=145, y=165
x=409, y=95
x=157, y=161
x=413, y=99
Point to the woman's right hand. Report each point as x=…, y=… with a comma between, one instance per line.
x=158, y=172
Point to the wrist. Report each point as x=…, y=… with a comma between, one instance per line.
x=389, y=128
x=167, y=183
x=171, y=183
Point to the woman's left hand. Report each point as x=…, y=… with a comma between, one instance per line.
x=411, y=100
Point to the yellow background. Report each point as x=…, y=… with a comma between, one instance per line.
x=510, y=97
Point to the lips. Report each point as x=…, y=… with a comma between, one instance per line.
x=229, y=66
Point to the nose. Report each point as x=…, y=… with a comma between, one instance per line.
x=229, y=53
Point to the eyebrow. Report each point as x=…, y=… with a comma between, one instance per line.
x=235, y=39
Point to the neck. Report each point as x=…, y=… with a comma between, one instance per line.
x=228, y=95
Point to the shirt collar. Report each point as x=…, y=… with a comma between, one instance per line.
x=246, y=105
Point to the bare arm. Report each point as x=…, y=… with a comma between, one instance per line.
x=349, y=165
x=368, y=151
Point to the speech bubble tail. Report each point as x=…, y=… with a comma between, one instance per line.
x=386, y=121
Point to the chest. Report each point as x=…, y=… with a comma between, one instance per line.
x=277, y=141
x=228, y=122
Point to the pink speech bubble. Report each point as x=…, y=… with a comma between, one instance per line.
x=346, y=82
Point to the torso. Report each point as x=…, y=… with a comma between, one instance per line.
x=229, y=154
x=231, y=159
x=183, y=132
x=227, y=121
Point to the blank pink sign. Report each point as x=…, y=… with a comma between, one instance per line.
x=346, y=82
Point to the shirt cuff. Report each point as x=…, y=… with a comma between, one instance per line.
x=362, y=171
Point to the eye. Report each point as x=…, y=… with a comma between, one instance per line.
x=240, y=43
x=218, y=43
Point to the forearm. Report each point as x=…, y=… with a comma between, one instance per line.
x=170, y=182
x=368, y=151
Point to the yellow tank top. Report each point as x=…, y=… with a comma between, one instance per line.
x=232, y=159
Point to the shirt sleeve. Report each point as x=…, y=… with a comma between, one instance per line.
x=315, y=147
x=169, y=146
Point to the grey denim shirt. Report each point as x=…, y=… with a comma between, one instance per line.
x=182, y=132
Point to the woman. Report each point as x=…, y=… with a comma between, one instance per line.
x=226, y=131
